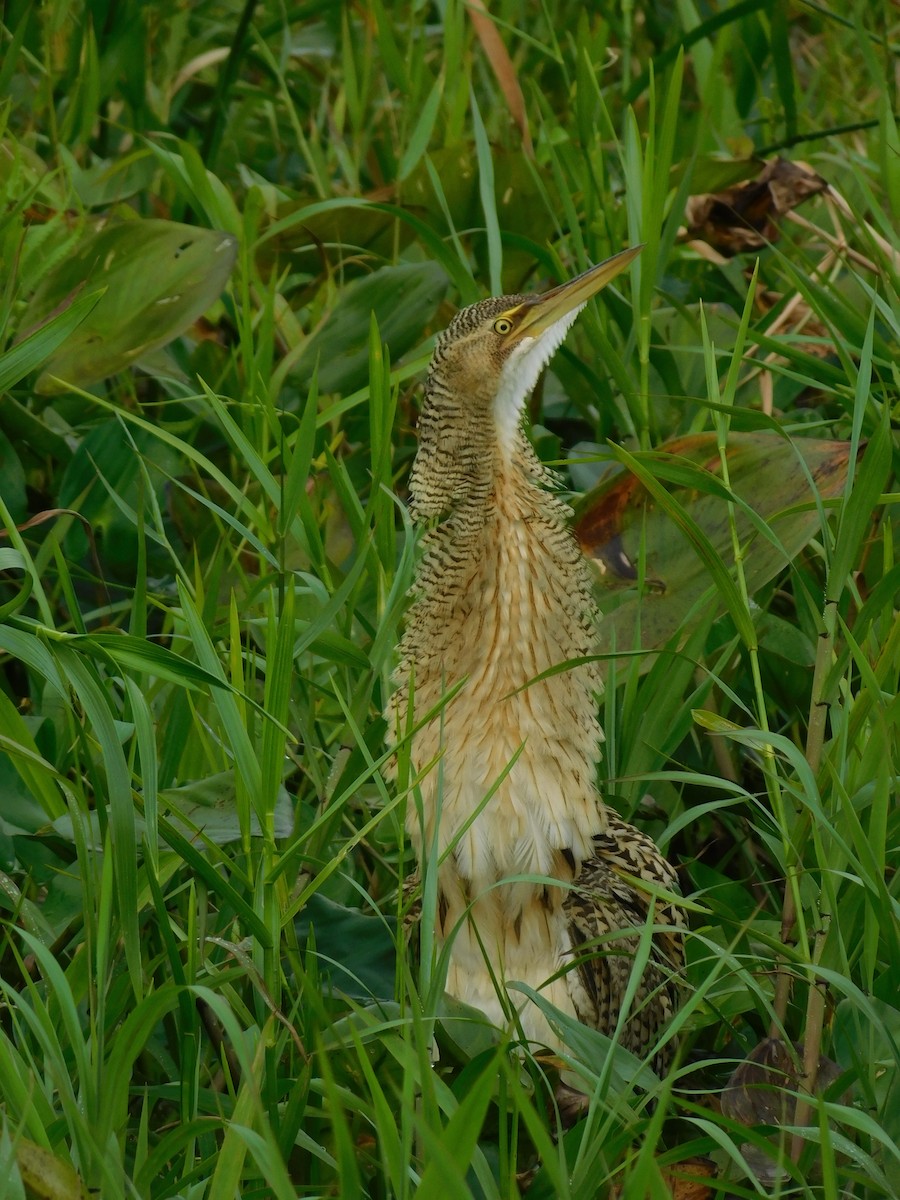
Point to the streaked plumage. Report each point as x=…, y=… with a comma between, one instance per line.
x=605, y=904
x=503, y=595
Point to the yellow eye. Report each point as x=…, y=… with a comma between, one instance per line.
x=502, y=325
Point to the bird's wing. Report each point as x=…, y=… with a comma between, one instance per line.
x=607, y=910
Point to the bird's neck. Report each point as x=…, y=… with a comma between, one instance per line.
x=503, y=595
x=505, y=552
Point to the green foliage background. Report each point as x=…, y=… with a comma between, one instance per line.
x=205, y=562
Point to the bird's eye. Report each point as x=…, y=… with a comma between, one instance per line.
x=502, y=325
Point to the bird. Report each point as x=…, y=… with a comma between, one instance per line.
x=496, y=697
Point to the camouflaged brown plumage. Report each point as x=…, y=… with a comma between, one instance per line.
x=508, y=763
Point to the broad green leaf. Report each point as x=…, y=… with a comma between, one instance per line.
x=713, y=173
x=369, y=227
x=54, y=330
x=357, y=953
x=300, y=220
x=777, y=636
x=159, y=277
x=590, y=1046
x=210, y=806
x=35, y=430
x=363, y=1024
x=465, y=1031
x=109, y=181
x=618, y=516
x=403, y=298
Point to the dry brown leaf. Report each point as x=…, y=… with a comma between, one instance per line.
x=760, y=1090
x=685, y=1181
x=745, y=217
x=763, y=1090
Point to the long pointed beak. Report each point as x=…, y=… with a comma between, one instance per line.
x=533, y=317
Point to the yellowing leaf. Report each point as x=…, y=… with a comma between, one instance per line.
x=403, y=299
x=45, y=1176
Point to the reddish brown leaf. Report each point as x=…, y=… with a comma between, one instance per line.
x=615, y=519
x=502, y=66
x=685, y=1181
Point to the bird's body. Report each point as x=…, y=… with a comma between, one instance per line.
x=502, y=597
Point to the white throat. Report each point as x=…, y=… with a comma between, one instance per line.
x=520, y=373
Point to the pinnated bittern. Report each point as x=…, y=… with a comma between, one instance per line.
x=502, y=595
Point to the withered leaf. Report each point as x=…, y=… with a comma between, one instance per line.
x=746, y=217
x=761, y=1088
x=684, y=1181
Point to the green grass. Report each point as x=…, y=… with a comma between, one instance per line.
x=204, y=985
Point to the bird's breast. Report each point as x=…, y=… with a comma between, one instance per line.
x=499, y=607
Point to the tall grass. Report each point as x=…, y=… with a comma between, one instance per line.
x=205, y=983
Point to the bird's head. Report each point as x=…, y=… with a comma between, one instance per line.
x=484, y=366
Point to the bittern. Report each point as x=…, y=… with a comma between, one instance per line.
x=503, y=595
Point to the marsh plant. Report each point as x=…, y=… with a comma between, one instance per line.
x=229, y=235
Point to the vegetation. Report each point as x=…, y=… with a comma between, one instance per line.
x=205, y=990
